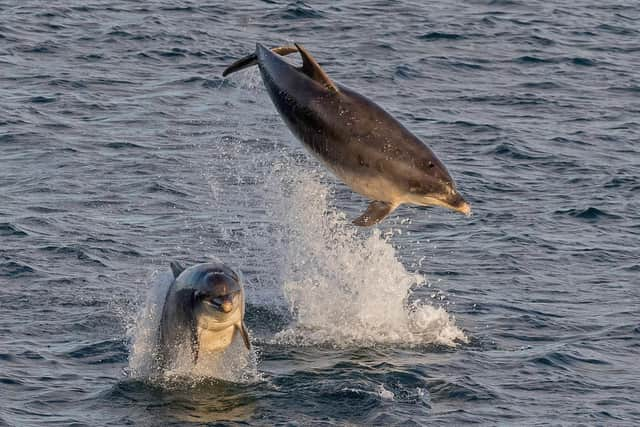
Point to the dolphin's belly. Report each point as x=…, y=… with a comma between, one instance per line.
x=372, y=186
x=215, y=341
x=358, y=166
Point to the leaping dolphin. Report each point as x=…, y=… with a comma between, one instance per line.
x=355, y=138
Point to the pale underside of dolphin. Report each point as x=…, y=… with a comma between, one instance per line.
x=356, y=139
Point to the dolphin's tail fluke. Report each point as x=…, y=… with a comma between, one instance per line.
x=251, y=60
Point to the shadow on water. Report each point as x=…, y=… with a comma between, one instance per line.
x=186, y=400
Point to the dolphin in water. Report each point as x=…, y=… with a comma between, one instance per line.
x=203, y=314
x=355, y=138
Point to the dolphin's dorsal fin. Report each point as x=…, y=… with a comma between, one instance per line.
x=375, y=213
x=311, y=68
x=176, y=269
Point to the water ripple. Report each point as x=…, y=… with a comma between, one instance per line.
x=122, y=147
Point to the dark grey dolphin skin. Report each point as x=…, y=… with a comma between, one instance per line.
x=356, y=139
x=203, y=311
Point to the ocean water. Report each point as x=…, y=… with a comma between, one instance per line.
x=122, y=149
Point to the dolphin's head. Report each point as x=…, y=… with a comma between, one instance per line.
x=222, y=294
x=219, y=295
x=432, y=185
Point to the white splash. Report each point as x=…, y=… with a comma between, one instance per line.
x=143, y=358
x=384, y=393
x=344, y=286
x=234, y=364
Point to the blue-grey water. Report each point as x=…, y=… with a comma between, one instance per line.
x=122, y=148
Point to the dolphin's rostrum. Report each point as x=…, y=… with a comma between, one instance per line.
x=355, y=138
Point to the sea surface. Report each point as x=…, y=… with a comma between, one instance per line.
x=122, y=148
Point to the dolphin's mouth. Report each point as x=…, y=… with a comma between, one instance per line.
x=223, y=303
x=455, y=203
x=459, y=204
x=464, y=208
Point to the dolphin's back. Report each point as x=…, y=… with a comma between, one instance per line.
x=331, y=123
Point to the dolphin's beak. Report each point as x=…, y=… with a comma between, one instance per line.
x=464, y=208
x=223, y=303
x=459, y=204
x=226, y=306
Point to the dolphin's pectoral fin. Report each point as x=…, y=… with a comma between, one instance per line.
x=176, y=269
x=251, y=60
x=375, y=213
x=312, y=69
x=245, y=335
x=195, y=343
